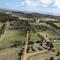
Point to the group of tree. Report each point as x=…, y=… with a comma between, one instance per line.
x=7, y=17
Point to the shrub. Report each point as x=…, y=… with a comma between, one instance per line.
x=51, y=58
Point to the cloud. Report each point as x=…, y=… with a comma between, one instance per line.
x=56, y=3
x=30, y=3
x=40, y=3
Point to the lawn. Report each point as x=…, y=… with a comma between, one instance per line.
x=9, y=54
x=10, y=36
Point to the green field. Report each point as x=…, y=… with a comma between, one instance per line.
x=11, y=35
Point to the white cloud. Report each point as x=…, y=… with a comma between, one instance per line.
x=57, y=3
x=45, y=3
x=30, y=3
x=38, y=3
x=41, y=3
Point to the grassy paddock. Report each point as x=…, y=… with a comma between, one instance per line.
x=11, y=35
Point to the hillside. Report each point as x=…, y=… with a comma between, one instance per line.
x=30, y=15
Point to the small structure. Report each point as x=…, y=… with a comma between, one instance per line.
x=36, y=47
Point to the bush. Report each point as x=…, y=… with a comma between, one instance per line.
x=58, y=53
x=51, y=58
x=31, y=42
x=38, y=41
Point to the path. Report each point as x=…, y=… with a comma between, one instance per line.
x=25, y=54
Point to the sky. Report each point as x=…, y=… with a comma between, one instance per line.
x=41, y=6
